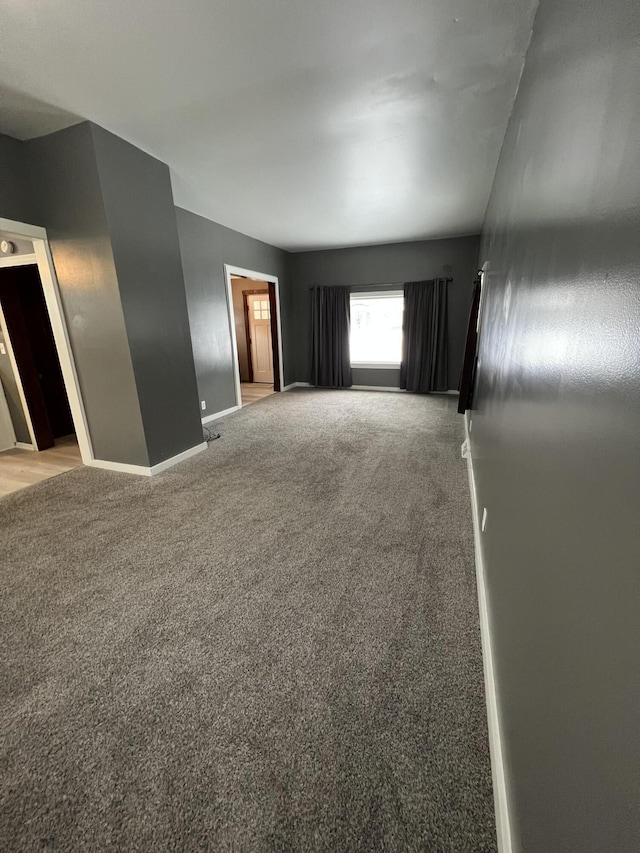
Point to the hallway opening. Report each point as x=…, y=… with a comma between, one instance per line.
x=37, y=434
x=256, y=339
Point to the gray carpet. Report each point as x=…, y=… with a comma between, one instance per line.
x=272, y=647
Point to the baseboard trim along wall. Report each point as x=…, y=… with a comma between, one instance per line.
x=374, y=388
x=503, y=824
x=359, y=388
x=208, y=418
x=23, y=445
x=296, y=385
x=144, y=471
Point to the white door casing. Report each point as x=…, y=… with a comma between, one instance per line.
x=7, y=433
x=44, y=261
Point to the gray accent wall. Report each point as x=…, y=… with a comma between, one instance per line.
x=390, y=263
x=110, y=218
x=16, y=201
x=69, y=204
x=138, y=203
x=556, y=432
x=206, y=247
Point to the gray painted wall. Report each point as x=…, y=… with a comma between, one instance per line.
x=69, y=204
x=395, y=262
x=556, y=437
x=15, y=191
x=140, y=213
x=206, y=247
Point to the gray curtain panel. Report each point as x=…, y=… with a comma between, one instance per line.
x=330, y=324
x=424, y=337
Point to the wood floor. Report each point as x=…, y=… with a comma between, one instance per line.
x=254, y=391
x=22, y=468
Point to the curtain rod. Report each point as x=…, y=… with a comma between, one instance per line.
x=386, y=284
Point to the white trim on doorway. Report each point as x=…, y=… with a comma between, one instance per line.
x=18, y=260
x=43, y=259
x=7, y=431
x=230, y=270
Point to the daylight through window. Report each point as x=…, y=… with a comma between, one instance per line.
x=376, y=329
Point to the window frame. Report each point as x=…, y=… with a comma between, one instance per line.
x=375, y=294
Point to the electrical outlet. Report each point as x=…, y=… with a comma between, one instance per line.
x=203, y=405
x=483, y=526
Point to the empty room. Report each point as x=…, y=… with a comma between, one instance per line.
x=320, y=426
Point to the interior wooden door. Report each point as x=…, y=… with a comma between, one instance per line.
x=259, y=307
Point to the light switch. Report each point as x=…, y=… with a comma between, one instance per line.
x=3, y=350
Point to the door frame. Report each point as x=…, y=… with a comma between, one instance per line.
x=42, y=258
x=230, y=270
x=5, y=416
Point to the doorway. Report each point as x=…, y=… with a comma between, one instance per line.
x=43, y=430
x=29, y=364
x=254, y=313
x=257, y=316
x=37, y=436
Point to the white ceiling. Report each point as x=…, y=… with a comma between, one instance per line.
x=305, y=123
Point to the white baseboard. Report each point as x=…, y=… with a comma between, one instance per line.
x=358, y=388
x=501, y=802
x=214, y=417
x=23, y=445
x=120, y=467
x=350, y=388
x=373, y=388
x=146, y=471
x=296, y=385
x=179, y=457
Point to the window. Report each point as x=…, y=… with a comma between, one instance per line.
x=261, y=309
x=376, y=329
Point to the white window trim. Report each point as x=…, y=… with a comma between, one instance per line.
x=377, y=365
x=372, y=294
x=376, y=294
